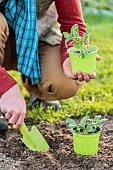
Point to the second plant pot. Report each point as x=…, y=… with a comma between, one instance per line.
x=86, y=64
x=86, y=144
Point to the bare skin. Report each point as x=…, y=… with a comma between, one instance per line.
x=13, y=105
x=78, y=75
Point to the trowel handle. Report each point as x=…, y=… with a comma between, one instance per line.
x=23, y=128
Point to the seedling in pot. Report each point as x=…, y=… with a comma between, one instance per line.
x=86, y=134
x=82, y=56
x=86, y=125
x=79, y=42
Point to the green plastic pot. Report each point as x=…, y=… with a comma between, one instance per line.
x=86, y=64
x=86, y=144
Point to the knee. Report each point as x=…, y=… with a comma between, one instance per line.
x=59, y=90
x=67, y=90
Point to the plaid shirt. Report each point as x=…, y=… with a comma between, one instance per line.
x=48, y=31
x=22, y=17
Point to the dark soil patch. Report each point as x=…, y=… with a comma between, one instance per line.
x=15, y=156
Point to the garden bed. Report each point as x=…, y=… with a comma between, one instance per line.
x=15, y=156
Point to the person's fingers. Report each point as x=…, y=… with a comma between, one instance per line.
x=98, y=58
x=8, y=115
x=70, y=75
x=19, y=122
x=75, y=76
x=86, y=77
x=16, y=126
x=13, y=118
x=92, y=75
x=3, y=110
x=79, y=75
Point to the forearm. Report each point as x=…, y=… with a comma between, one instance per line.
x=6, y=81
x=69, y=13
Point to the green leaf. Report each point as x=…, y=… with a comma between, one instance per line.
x=66, y=34
x=96, y=119
x=78, y=46
x=84, y=119
x=74, y=30
x=87, y=27
x=85, y=52
x=70, y=121
x=90, y=128
x=72, y=126
x=73, y=50
x=68, y=39
x=85, y=36
x=102, y=120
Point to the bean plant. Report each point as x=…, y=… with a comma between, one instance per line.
x=79, y=43
x=86, y=125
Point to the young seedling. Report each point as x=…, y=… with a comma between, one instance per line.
x=79, y=42
x=86, y=125
x=86, y=134
x=82, y=56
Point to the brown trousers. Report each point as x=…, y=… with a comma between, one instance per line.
x=54, y=84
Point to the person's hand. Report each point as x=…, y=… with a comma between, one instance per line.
x=13, y=105
x=80, y=76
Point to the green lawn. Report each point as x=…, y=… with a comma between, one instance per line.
x=95, y=97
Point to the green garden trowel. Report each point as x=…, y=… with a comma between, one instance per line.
x=33, y=139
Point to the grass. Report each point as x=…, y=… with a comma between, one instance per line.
x=93, y=98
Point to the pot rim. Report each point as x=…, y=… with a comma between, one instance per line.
x=88, y=133
x=85, y=45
